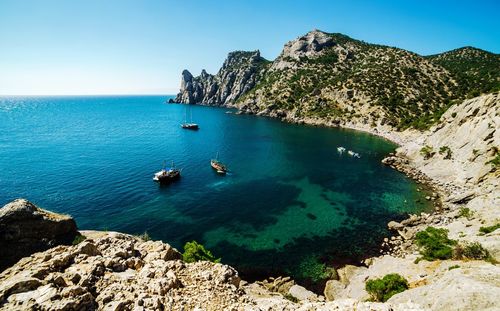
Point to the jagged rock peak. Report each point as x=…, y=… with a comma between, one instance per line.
x=238, y=74
x=308, y=45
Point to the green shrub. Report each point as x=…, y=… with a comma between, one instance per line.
x=465, y=212
x=386, y=287
x=453, y=267
x=194, y=251
x=489, y=229
x=427, y=152
x=435, y=244
x=78, y=239
x=453, y=114
x=446, y=151
x=471, y=251
x=495, y=161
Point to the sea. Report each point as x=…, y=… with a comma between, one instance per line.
x=290, y=204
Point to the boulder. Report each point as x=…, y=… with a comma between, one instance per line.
x=332, y=289
x=302, y=293
x=394, y=225
x=26, y=229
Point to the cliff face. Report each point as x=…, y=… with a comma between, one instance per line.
x=463, y=145
x=239, y=73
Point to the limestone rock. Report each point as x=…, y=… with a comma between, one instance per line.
x=393, y=225
x=239, y=73
x=332, y=289
x=26, y=229
x=467, y=288
x=302, y=294
x=96, y=274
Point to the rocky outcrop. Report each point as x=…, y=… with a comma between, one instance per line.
x=25, y=229
x=112, y=271
x=239, y=74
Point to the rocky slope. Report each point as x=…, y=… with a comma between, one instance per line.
x=332, y=79
x=25, y=229
x=476, y=71
x=461, y=158
x=239, y=73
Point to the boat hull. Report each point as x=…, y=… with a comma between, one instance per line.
x=167, y=177
x=190, y=126
x=218, y=167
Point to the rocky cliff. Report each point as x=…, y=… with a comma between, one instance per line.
x=25, y=229
x=328, y=78
x=239, y=73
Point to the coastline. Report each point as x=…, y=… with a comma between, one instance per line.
x=116, y=270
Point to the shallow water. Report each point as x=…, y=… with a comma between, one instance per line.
x=289, y=204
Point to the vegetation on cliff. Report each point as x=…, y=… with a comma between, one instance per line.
x=335, y=78
x=386, y=287
x=476, y=71
x=194, y=251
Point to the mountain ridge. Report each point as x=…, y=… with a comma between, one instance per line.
x=336, y=79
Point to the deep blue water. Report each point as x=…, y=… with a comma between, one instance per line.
x=290, y=203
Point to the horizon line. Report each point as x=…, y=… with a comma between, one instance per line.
x=123, y=94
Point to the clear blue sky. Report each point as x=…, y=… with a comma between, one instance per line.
x=141, y=47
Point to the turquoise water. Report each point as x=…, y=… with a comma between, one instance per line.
x=289, y=203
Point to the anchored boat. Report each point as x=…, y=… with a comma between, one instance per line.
x=167, y=176
x=189, y=125
x=218, y=166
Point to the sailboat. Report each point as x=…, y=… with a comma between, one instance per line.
x=166, y=176
x=190, y=125
x=218, y=166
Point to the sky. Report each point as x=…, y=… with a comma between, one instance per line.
x=85, y=47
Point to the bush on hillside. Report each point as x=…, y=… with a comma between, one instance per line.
x=446, y=151
x=465, y=212
x=194, y=251
x=489, y=229
x=435, y=244
x=386, y=287
x=427, y=152
x=471, y=251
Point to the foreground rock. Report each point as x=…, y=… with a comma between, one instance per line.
x=113, y=271
x=25, y=229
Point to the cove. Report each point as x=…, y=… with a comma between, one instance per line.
x=290, y=205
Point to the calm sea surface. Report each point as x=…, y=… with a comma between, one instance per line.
x=289, y=205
